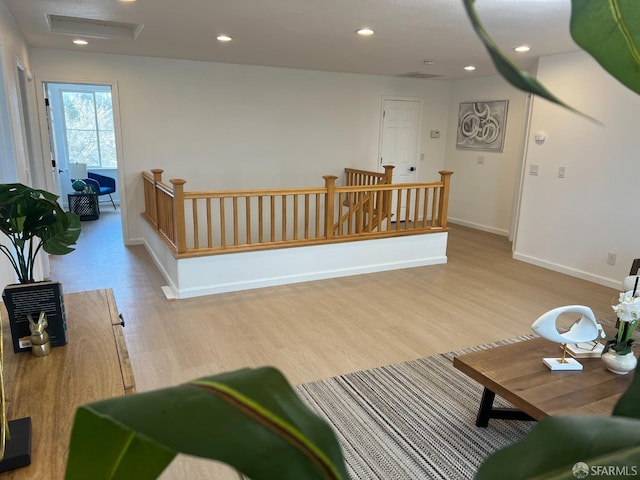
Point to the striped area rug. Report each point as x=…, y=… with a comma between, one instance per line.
x=414, y=420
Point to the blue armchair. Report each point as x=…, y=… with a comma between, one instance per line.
x=102, y=184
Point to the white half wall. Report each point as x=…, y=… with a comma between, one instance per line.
x=571, y=224
x=192, y=277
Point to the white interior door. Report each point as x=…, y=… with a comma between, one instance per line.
x=399, y=144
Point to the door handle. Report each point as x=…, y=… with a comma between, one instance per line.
x=412, y=169
x=60, y=171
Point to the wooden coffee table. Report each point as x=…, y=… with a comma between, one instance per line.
x=516, y=373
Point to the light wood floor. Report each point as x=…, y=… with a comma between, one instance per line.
x=324, y=328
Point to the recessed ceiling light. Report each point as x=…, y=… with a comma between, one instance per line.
x=127, y=1
x=470, y=68
x=80, y=42
x=365, y=32
x=522, y=48
x=224, y=38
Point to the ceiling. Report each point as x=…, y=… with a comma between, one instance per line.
x=313, y=34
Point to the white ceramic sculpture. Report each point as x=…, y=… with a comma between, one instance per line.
x=585, y=329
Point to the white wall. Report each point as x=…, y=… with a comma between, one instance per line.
x=571, y=224
x=13, y=157
x=482, y=195
x=222, y=126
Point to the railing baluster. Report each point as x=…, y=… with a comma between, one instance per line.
x=284, y=216
x=235, y=220
x=407, y=210
x=416, y=213
x=317, y=232
x=295, y=217
x=223, y=230
x=398, y=207
x=260, y=221
x=425, y=208
x=247, y=207
x=209, y=225
x=273, y=219
x=434, y=211
x=306, y=216
x=196, y=232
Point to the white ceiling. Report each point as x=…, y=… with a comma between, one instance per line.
x=314, y=34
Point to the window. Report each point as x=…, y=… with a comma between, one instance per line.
x=88, y=127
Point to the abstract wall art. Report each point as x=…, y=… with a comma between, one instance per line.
x=481, y=125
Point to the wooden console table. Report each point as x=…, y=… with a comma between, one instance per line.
x=94, y=365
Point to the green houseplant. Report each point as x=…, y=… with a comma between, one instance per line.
x=33, y=220
x=259, y=405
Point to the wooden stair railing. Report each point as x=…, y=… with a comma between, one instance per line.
x=207, y=222
x=357, y=203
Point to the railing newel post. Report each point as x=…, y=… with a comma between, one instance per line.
x=329, y=204
x=445, y=178
x=157, y=178
x=178, y=214
x=388, y=174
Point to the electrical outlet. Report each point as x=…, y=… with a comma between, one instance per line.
x=611, y=258
x=533, y=169
x=562, y=172
x=480, y=160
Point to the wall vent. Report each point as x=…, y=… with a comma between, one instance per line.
x=418, y=75
x=89, y=27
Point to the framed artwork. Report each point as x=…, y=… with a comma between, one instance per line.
x=481, y=125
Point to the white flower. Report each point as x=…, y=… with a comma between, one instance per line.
x=628, y=310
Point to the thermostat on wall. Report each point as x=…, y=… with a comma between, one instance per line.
x=435, y=133
x=540, y=137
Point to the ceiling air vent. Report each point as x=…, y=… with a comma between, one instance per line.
x=418, y=75
x=90, y=27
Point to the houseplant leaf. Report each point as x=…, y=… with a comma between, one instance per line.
x=609, y=30
x=507, y=69
x=250, y=419
x=556, y=444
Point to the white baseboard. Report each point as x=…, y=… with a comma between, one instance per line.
x=573, y=272
x=477, y=226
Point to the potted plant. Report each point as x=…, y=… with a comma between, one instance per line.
x=33, y=220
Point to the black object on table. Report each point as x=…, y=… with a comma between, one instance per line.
x=84, y=204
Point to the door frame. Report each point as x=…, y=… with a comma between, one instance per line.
x=44, y=139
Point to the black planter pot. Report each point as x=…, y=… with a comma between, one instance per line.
x=32, y=298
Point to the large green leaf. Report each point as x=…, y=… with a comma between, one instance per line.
x=249, y=419
x=609, y=30
x=507, y=69
x=556, y=444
